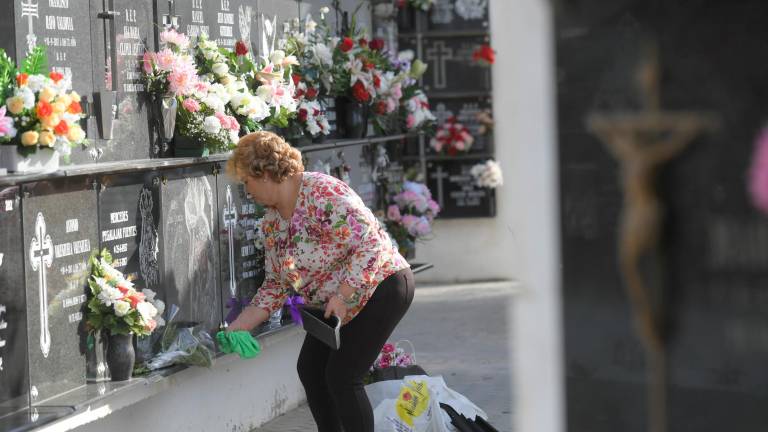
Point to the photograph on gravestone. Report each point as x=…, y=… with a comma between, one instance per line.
x=128, y=221
x=466, y=111
x=64, y=27
x=454, y=189
x=188, y=227
x=451, y=68
x=14, y=370
x=458, y=15
x=59, y=236
x=241, y=245
x=123, y=30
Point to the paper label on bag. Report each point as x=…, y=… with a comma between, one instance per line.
x=412, y=401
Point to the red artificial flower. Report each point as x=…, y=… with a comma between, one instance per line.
x=21, y=79
x=241, y=48
x=62, y=128
x=368, y=66
x=44, y=109
x=311, y=93
x=362, y=42
x=484, y=54
x=346, y=44
x=302, y=114
x=376, y=44
x=136, y=299
x=74, y=108
x=376, y=81
x=381, y=107
x=299, y=93
x=296, y=78
x=315, y=112
x=56, y=76
x=360, y=93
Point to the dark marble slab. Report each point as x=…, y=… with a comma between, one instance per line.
x=31, y=419
x=453, y=188
x=59, y=236
x=451, y=68
x=465, y=110
x=241, y=250
x=14, y=369
x=188, y=228
x=453, y=15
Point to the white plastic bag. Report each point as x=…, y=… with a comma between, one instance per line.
x=413, y=405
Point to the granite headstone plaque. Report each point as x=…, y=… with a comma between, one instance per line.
x=241, y=248
x=466, y=111
x=189, y=224
x=451, y=68
x=230, y=21
x=14, y=370
x=453, y=15
x=59, y=236
x=454, y=189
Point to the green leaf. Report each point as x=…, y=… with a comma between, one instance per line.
x=296, y=238
x=36, y=62
x=328, y=207
x=339, y=224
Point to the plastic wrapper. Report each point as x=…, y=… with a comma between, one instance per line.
x=183, y=344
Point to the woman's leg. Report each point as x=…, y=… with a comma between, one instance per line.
x=313, y=360
x=361, y=341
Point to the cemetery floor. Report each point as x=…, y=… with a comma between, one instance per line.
x=459, y=332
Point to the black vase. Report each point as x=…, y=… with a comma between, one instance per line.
x=164, y=115
x=121, y=356
x=189, y=147
x=352, y=118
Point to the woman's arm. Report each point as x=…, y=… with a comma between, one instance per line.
x=249, y=319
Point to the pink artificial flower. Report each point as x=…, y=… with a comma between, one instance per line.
x=758, y=173
x=393, y=213
x=410, y=121
x=233, y=124
x=166, y=60
x=410, y=222
x=7, y=128
x=396, y=91
x=175, y=38
x=191, y=105
x=391, y=105
x=388, y=348
x=149, y=58
x=434, y=207
x=384, y=363
x=459, y=144
x=423, y=227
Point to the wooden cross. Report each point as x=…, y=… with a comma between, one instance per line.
x=642, y=142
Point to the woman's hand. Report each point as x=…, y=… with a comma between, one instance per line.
x=248, y=319
x=336, y=307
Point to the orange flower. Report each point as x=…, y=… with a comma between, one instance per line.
x=56, y=76
x=44, y=109
x=343, y=233
x=62, y=128
x=74, y=108
x=21, y=79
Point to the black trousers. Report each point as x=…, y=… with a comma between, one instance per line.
x=333, y=380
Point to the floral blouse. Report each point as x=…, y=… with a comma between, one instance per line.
x=332, y=238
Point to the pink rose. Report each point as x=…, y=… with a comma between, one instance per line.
x=410, y=121
x=434, y=207
x=149, y=58
x=191, y=105
x=393, y=213
x=384, y=363
x=388, y=348
x=165, y=59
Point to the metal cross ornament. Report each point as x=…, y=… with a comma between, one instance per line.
x=230, y=222
x=41, y=257
x=30, y=9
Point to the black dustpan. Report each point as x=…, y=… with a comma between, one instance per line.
x=464, y=424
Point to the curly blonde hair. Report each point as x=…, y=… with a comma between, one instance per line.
x=264, y=153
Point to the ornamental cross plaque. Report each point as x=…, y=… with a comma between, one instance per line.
x=439, y=54
x=230, y=222
x=30, y=9
x=41, y=257
x=642, y=142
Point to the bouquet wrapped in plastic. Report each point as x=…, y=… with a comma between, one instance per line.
x=183, y=345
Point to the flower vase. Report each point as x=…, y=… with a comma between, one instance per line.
x=164, y=112
x=120, y=356
x=40, y=161
x=189, y=147
x=351, y=118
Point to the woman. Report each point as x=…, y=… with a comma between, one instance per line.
x=322, y=241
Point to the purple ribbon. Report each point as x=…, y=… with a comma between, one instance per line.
x=235, y=306
x=294, y=302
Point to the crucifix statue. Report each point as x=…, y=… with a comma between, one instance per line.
x=642, y=142
x=41, y=257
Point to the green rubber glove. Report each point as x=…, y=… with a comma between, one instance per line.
x=240, y=342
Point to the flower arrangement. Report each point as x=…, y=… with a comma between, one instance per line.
x=116, y=305
x=410, y=214
x=485, y=118
x=417, y=113
x=170, y=71
x=452, y=137
x=488, y=174
x=484, y=55
x=392, y=355
x=40, y=110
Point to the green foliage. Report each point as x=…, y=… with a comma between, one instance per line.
x=7, y=75
x=36, y=62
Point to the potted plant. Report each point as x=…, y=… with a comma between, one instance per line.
x=39, y=116
x=120, y=311
x=410, y=215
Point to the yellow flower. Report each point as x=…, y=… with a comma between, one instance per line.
x=29, y=138
x=47, y=138
x=15, y=104
x=51, y=121
x=75, y=97
x=65, y=99
x=59, y=107
x=75, y=134
x=47, y=94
